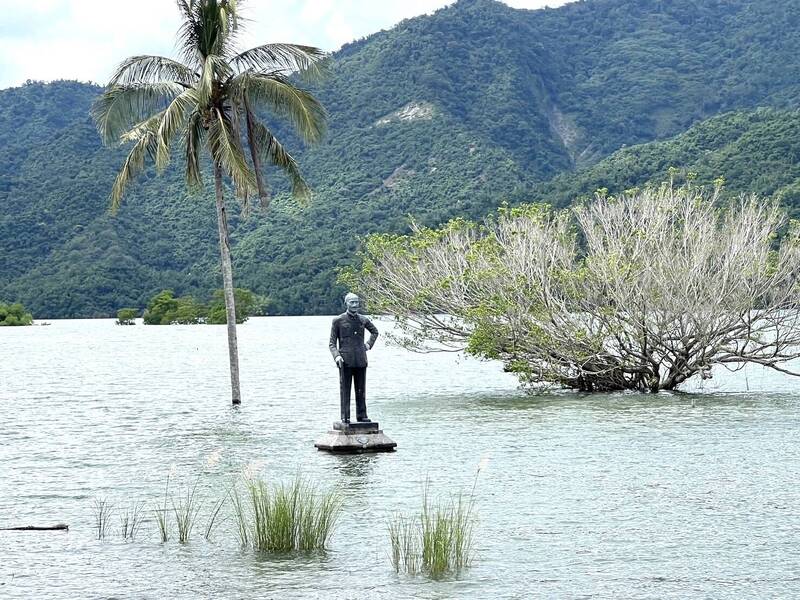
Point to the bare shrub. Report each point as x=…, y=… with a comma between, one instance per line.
x=640, y=291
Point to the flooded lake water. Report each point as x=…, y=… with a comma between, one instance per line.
x=685, y=495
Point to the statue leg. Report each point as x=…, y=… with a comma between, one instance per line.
x=360, y=377
x=345, y=377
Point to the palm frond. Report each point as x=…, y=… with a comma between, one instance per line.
x=285, y=59
x=209, y=27
x=194, y=144
x=134, y=163
x=235, y=112
x=141, y=129
x=215, y=69
x=226, y=150
x=273, y=152
x=174, y=118
x=206, y=98
x=261, y=186
x=278, y=94
x=188, y=34
x=120, y=106
x=228, y=18
x=185, y=9
x=152, y=69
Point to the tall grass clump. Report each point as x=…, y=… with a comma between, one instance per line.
x=102, y=515
x=185, y=510
x=131, y=520
x=161, y=515
x=446, y=534
x=405, y=552
x=438, y=540
x=285, y=517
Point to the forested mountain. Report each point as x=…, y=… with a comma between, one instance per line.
x=755, y=152
x=443, y=115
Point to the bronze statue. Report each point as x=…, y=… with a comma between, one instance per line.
x=349, y=350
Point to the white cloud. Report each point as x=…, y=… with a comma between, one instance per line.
x=85, y=39
x=52, y=39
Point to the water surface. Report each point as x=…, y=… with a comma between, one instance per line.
x=583, y=496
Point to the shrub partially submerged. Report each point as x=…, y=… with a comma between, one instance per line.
x=165, y=309
x=14, y=314
x=640, y=292
x=127, y=316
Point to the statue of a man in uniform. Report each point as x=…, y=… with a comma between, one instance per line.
x=349, y=350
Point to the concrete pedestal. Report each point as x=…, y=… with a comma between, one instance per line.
x=355, y=438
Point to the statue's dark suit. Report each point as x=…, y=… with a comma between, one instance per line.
x=348, y=332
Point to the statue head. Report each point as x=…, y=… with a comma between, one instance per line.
x=352, y=302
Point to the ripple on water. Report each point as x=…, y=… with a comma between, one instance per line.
x=601, y=496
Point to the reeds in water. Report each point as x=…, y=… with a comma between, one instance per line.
x=214, y=517
x=406, y=548
x=446, y=535
x=131, y=520
x=240, y=514
x=437, y=541
x=283, y=518
x=270, y=518
x=185, y=510
x=102, y=515
x=161, y=515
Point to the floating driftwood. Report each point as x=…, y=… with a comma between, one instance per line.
x=59, y=527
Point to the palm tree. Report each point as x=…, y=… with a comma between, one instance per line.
x=208, y=100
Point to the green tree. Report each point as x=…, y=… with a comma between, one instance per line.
x=209, y=101
x=165, y=309
x=126, y=316
x=14, y=314
x=160, y=305
x=247, y=304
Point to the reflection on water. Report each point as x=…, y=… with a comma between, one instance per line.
x=623, y=495
x=355, y=469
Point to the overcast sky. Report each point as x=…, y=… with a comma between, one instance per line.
x=85, y=39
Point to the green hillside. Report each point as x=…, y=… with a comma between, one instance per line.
x=60, y=250
x=756, y=151
x=443, y=115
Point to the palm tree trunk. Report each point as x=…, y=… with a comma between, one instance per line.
x=227, y=285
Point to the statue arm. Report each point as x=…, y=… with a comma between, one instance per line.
x=373, y=333
x=334, y=337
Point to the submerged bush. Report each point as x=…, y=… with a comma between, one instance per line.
x=14, y=314
x=165, y=309
x=247, y=304
x=126, y=316
x=643, y=291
